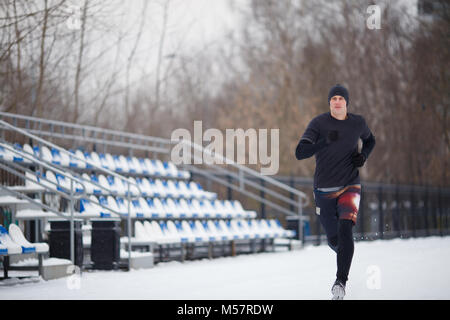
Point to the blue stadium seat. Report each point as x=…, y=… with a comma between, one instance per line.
x=8, y=155
x=74, y=163
x=131, y=166
x=110, y=162
x=154, y=212
x=95, y=158
x=57, y=159
x=11, y=246
x=138, y=210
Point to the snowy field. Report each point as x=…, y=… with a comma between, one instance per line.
x=389, y=269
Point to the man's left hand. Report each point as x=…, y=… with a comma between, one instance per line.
x=358, y=159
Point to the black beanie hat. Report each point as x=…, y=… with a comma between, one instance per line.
x=338, y=90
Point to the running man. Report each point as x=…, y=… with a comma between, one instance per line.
x=333, y=138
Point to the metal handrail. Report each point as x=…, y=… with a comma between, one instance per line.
x=47, y=165
x=243, y=169
x=86, y=127
x=303, y=200
x=129, y=183
x=112, y=173
x=72, y=177
x=247, y=170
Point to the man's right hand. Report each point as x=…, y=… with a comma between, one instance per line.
x=332, y=136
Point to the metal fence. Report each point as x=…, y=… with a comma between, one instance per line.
x=386, y=211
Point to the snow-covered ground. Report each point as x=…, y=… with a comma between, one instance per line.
x=389, y=269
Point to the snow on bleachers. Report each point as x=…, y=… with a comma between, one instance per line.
x=166, y=208
x=14, y=242
x=116, y=163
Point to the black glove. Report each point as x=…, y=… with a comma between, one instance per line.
x=358, y=159
x=332, y=136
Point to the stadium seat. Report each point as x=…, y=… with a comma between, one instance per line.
x=149, y=166
x=31, y=179
x=208, y=210
x=172, y=189
x=95, y=158
x=154, y=231
x=189, y=231
x=29, y=150
x=185, y=209
x=154, y=211
x=204, y=232
x=172, y=231
x=46, y=154
x=184, y=174
x=221, y=210
x=8, y=155
x=166, y=236
x=17, y=236
x=107, y=188
x=110, y=162
x=20, y=157
x=8, y=243
x=160, y=208
x=183, y=189
x=141, y=233
x=198, y=211
x=3, y=250
x=137, y=208
x=117, y=185
x=170, y=169
x=131, y=166
x=254, y=230
x=276, y=225
x=223, y=232
x=226, y=229
x=50, y=181
x=133, y=188
x=122, y=203
x=160, y=189
x=90, y=187
x=159, y=167
x=143, y=166
x=238, y=227
x=173, y=211
x=123, y=163
x=113, y=205
x=118, y=165
x=213, y=230
x=57, y=159
x=89, y=208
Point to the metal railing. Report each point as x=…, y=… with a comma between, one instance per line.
x=242, y=176
x=73, y=177
x=387, y=210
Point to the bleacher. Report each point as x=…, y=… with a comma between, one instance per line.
x=169, y=215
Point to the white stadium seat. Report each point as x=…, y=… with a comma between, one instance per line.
x=17, y=236
x=8, y=244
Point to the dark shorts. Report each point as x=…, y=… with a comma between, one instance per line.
x=341, y=204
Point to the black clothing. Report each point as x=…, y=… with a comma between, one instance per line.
x=358, y=159
x=345, y=249
x=334, y=166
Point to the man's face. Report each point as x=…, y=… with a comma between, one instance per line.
x=338, y=105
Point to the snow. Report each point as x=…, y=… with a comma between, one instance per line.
x=32, y=262
x=383, y=269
